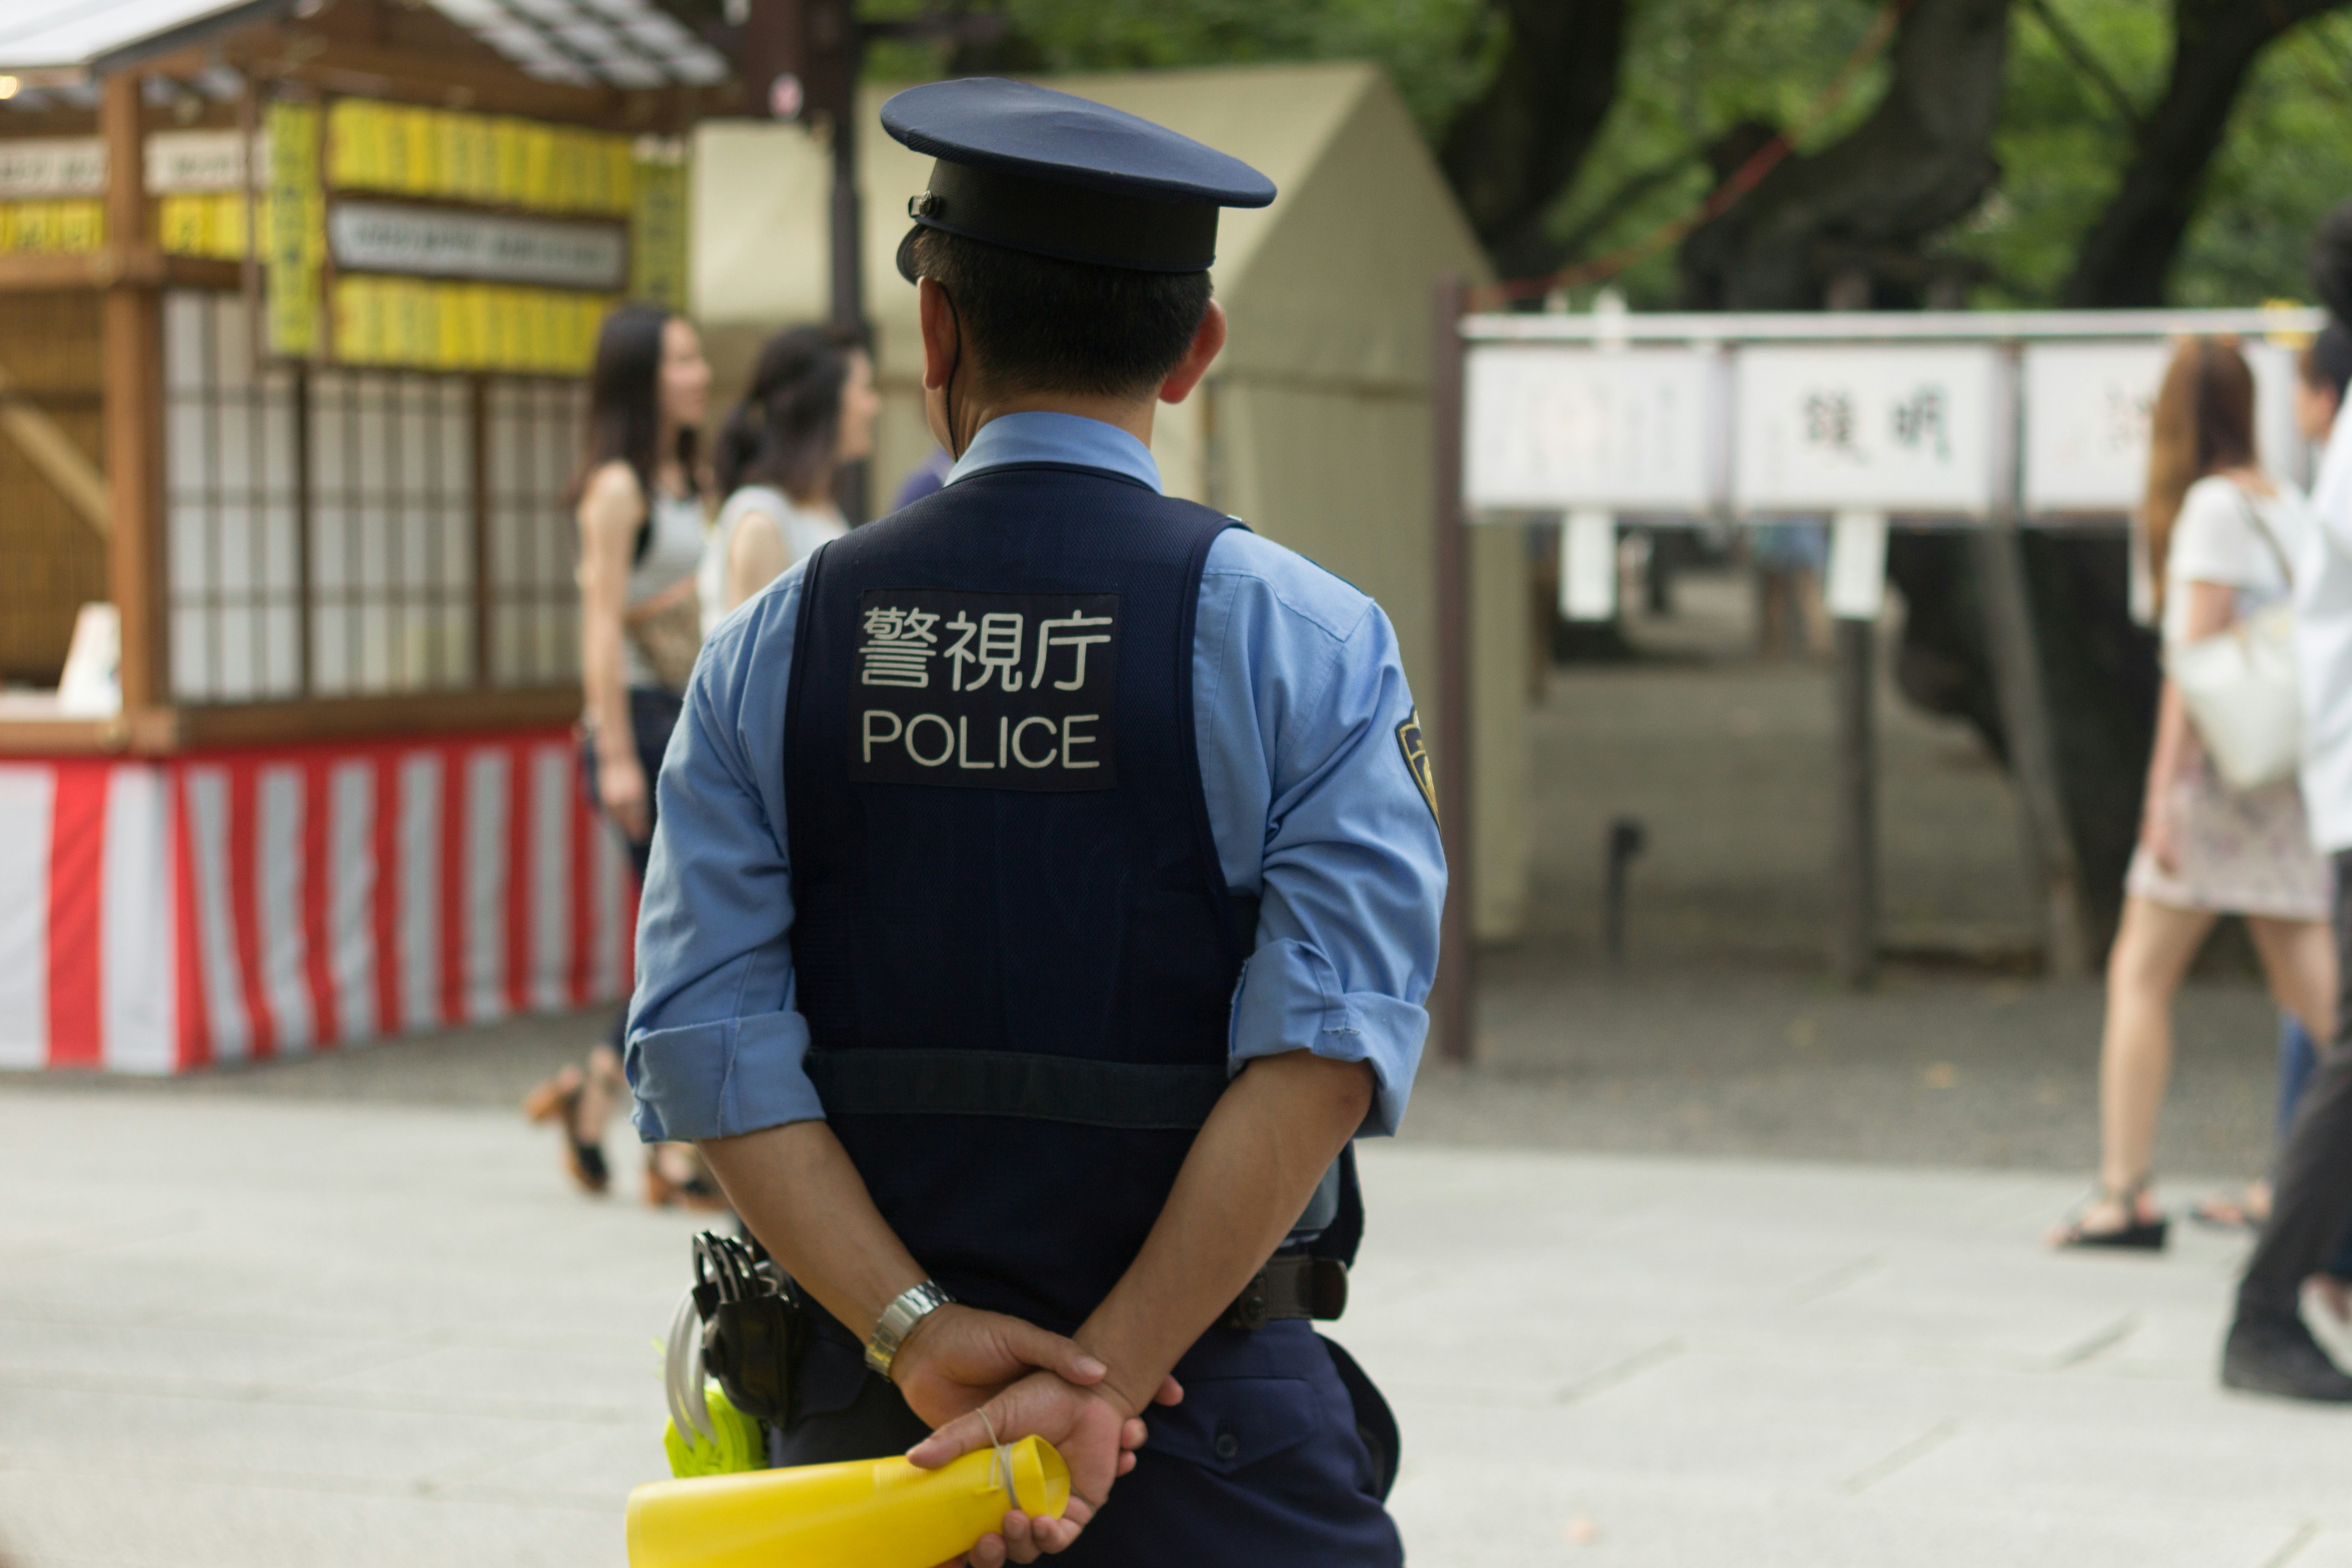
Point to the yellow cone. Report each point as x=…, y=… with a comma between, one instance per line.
x=869, y=1513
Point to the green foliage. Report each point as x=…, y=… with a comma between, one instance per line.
x=1438, y=52
x=2288, y=162
x=2063, y=145
x=1694, y=68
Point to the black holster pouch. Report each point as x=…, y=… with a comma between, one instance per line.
x=754, y=1324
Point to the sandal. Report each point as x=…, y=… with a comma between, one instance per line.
x=2138, y=1233
x=663, y=1191
x=2230, y=1214
x=558, y=1100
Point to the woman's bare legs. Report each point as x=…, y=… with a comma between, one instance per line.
x=2299, y=961
x=2153, y=950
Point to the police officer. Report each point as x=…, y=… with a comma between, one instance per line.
x=1045, y=894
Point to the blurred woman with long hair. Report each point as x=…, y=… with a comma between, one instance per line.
x=2219, y=536
x=640, y=498
x=809, y=410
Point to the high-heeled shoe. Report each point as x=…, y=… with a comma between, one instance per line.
x=558, y=1100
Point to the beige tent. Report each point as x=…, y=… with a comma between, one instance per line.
x=1314, y=427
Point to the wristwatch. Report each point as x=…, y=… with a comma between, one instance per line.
x=898, y=1320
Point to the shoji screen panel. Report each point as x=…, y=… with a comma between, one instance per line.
x=534, y=433
x=231, y=511
x=392, y=555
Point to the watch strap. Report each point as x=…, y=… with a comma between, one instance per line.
x=897, y=1320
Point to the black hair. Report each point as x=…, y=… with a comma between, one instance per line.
x=2331, y=262
x=2326, y=364
x=625, y=401
x=1037, y=324
x=787, y=429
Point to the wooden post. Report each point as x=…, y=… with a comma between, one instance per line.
x=1853, y=855
x=1452, y=1002
x=132, y=317
x=2025, y=720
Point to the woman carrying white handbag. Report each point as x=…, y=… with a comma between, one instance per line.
x=2222, y=828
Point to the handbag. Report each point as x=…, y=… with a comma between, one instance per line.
x=666, y=629
x=2242, y=689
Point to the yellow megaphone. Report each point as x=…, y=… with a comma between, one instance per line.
x=867, y=1513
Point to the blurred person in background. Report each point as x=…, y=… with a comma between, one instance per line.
x=640, y=499
x=810, y=409
x=925, y=478
x=1789, y=557
x=2220, y=538
x=2269, y=1349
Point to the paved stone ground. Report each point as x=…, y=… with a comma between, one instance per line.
x=255, y=1332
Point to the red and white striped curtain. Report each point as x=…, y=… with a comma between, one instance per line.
x=158, y=916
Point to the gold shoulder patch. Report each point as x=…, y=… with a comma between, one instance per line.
x=1416, y=760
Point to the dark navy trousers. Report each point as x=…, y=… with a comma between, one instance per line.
x=1260, y=1465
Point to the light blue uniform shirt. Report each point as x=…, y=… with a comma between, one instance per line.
x=1298, y=697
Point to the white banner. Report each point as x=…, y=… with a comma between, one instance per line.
x=53, y=166
x=187, y=161
x=433, y=242
x=1628, y=431
x=1906, y=428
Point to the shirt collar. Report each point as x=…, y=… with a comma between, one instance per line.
x=1037, y=436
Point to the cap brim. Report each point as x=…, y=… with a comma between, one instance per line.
x=906, y=254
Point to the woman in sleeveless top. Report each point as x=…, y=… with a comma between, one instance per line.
x=810, y=409
x=640, y=499
x=2221, y=536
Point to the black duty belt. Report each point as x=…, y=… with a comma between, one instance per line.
x=1292, y=1285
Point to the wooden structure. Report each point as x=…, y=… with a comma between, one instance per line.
x=295, y=302
x=325, y=579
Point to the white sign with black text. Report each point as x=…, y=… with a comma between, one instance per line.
x=52, y=166
x=1625, y=429
x=1899, y=428
x=432, y=242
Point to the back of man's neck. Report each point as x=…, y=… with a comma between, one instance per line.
x=1130, y=415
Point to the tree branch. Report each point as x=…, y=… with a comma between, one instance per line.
x=1512, y=153
x=1922, y=159
x=2072, y=45
x=2128, y=254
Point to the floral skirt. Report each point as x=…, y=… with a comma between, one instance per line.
x=2238, y=853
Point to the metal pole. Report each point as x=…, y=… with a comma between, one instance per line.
x=1854, y=854
x=1452, y=1002
x=1854, y=843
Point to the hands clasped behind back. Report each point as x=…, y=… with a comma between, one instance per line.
x=980, y=1378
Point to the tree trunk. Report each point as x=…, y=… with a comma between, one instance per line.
x=1510, y=154
x=1921, y=160
x=2130, y=251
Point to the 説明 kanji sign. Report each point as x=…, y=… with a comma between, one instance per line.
x=1884, y=428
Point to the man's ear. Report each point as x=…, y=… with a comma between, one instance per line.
x=1208, y=340
x=942, y=333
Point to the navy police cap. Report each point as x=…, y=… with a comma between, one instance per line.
x=1031, y=169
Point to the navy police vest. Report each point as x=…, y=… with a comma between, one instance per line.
x=1011, y=938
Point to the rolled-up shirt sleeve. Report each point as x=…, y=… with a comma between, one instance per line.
x=1308, y=741
x=715, y=1038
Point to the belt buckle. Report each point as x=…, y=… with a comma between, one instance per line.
x=1249, y=1310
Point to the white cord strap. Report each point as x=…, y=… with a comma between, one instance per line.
x=1000, y=1464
